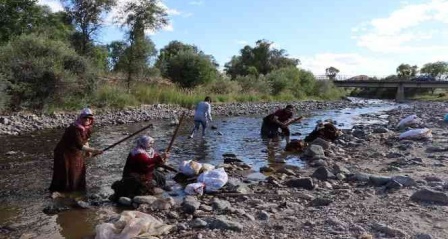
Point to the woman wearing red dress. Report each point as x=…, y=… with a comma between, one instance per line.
x=69, y=168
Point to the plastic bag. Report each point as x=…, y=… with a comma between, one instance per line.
x=410, y=120
x=424, y=133
x=207, y=167
x=190, y=168
x=214, y=179
x=195, y=189
x=132, y=224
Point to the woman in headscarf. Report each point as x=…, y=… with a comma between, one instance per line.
x=139, y=170
x=69, y=169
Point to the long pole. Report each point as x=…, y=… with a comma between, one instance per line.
x=126, y=138
x=175, y=133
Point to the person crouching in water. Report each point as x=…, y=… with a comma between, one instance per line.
x=140, y=176
x=201, y=115
x=279, y=119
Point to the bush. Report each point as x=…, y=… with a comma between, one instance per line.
x=252, y=85
x=222, y=86
x=41, y=71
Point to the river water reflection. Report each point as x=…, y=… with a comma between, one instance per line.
x=26, y=171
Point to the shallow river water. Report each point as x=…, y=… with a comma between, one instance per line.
x=26, y=164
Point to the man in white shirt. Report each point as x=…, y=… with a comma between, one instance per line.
x=201, y=115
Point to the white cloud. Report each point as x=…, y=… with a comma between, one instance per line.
x=348, y=64
x=241, y=42
x=55, y=5
x=196, y=3
x=405, y=30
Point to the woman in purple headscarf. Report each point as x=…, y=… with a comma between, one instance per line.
x=69, y=169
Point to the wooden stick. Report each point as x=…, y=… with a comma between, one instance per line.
x=175, y=133
x=126, y=138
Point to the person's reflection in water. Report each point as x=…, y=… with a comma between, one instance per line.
x=201, y=149
x=272, y=149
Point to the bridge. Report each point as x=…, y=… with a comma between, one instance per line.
x=399, y=85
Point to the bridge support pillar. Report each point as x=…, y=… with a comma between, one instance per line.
x=399, y=97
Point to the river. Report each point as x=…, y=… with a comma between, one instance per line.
x=26, y=162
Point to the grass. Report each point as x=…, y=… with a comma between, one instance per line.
x=113, y=95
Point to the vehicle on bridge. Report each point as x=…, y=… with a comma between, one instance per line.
x=423, y=78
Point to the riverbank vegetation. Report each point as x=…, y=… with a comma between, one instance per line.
x=53, y=61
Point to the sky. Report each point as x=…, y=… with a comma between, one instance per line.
x=369, y=37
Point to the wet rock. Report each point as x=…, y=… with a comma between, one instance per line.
x=263, y=215
x=422, y=236
x=190, y=204
x=321, y=142
x=379, y=181
x=318, y=163
x=318, y=202
x=220, y=222
x=389, y=231
x=55, y=209
x=393, y=185
x=323, y=173
x=214, y=127
x=144, y=199
x=406, y=181
x=380, y=130
x=358, y=133
x=232, y=160
x=315, y=151
x=430, y=196
x=125, y=201
x=359, y=177
x=434, y=149
x=266, y=169
x=306, y=183
x=394, y=155
x=197, y=223
x=82, y=204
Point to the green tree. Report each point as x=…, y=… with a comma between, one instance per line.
x=263, y=57
x=406, y=70
x=437, y=70
x=87, y=17
x=18, y=17
x=331, y=72
x=139, y=16
x=189, y=69
x=40, y=72
x=115, y=50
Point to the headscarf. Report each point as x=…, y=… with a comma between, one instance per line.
x=142, y=146
x=86, y=112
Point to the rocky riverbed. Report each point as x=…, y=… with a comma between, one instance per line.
x=367, y=184
x=19, y=123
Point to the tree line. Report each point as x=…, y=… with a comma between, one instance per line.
x=50, y=59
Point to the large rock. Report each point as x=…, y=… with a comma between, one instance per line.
x=378, y=180
x=144, y=199
x=190, y=204
x=323, y=173
x=431, y=196
x=321, y=142
x=389, y=231
x=315, y=151
x=406, y=181
x=306, y=183
x=220, y=205
x=220, y=222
